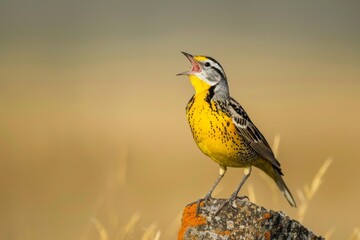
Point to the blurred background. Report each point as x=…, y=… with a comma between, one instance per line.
x=94, y=142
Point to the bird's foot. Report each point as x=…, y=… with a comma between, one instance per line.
x=205, y=199
x=230, y=203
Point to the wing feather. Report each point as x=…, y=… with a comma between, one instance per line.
x=249, y=131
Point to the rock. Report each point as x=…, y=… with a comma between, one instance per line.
x=242, y=220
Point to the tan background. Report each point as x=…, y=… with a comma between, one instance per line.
x=93, y=123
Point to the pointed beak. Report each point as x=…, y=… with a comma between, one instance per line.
x=195, y=67
x=188, y=55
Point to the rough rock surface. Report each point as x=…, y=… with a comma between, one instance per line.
x=242, y=220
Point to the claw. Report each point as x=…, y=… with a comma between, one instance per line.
x=243, y=197
x=207, y=198
x=229, y=202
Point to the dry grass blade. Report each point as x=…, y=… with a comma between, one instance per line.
x=355, y=234
x=309, y=191
x=318, y=179
x=129, y=228
x=157, y=235
x=276, y=145
x=329, y=234
x=251, y=192
x=100, y=228
x=151, y=233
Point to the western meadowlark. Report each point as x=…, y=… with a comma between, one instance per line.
x=222, y=129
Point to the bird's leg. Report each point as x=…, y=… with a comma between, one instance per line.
x=222, y=171
x=247, y=172
x=208, y=195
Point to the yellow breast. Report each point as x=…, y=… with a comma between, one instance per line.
x=214, y=132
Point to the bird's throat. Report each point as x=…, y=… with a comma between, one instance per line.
x=198, y=84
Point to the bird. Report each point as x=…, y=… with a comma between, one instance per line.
x=224, y=131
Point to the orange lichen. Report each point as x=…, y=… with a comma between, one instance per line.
x=223, y=233
x=267, y=235
x=266, y=215
x=189, y=219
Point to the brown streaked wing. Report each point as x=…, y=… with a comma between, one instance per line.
x=249, y=131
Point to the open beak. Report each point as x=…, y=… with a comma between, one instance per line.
x=195, y=67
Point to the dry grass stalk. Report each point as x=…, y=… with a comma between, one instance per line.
x=100, y=228
x=355, y=234
x=151, y=233
x=308, y=192
x=329, y=234
x=127, y=231
x=251, y=192
x=276, y=145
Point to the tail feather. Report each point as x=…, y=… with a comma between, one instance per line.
x=284, y=189
x=275, y=174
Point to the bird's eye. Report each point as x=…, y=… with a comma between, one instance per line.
x=207, y=64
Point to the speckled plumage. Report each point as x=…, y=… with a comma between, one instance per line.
x=215, y=133
x=222, y=129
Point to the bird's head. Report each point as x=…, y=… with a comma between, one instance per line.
x=205, y=72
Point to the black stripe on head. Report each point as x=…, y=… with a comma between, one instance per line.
x=212, y=59
x=222, y=73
